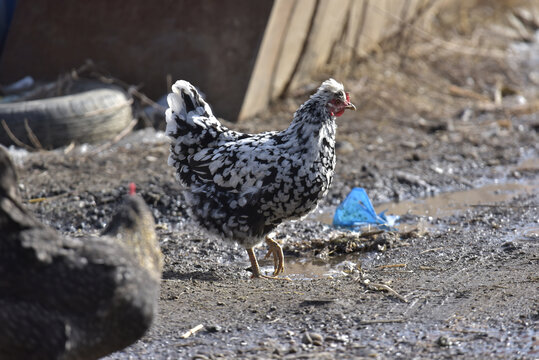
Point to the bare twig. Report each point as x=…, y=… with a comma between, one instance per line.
x=430, y=250
x=69, y=148
x=144, y=99
x=381, y=321
x=169, y=81
x=192, y=331
x=391, y=266
x=41, y=199
x=463, y=92
x=427, y=268
x=377, y=286
x=14, y=138
x=31, y=136
x=91, y=69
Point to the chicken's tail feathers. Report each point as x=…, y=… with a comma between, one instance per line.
x=185, y=100
x=191, y=126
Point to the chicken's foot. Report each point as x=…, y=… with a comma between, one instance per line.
x=256, y=269
x=278, y=256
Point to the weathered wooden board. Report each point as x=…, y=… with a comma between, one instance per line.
x=306, y=36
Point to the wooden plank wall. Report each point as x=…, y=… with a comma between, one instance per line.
x=304, y=36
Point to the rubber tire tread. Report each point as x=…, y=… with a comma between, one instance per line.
x=94, y=115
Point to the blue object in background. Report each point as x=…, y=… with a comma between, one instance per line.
x=7, y=7
x=357, y=211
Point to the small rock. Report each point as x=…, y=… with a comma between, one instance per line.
x=443, y=341
x=312, y=338
x=200, y=357
x=214, y=328
x=293, y=349
x=509, y=246
x=415, y=157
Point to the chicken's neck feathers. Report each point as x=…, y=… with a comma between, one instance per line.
x=311, y=127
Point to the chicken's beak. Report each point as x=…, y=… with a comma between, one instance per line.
x=348, y=104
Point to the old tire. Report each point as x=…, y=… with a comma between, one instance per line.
x=94, y=113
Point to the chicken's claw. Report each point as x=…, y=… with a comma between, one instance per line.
x=256, y=269
x=278, y=256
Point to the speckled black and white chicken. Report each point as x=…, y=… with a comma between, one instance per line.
x=241, y=186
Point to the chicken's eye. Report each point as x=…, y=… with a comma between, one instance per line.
x=338, y=101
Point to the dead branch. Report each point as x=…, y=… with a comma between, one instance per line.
x=192, y=331
x=431, y=250
x=380, y=321
x=31, y=136
x=41, y=199
x=14, y=138
x=69, y=148
x=379, y=287
x=462, y=92
x=391, y=266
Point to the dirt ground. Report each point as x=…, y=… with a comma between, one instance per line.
x=433, y=117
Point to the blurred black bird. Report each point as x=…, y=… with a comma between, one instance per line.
x=74, y=298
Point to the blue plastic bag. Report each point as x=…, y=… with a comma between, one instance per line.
x=357, y=211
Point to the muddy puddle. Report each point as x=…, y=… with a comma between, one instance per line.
x=309, y=268
x=427, y=210
x=448, y=204
x=445, y=204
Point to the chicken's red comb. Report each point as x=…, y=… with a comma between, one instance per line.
x=348, y=97
x=132, y=188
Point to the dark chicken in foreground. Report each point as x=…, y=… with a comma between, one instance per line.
x=74, y=298
x=241, y=186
